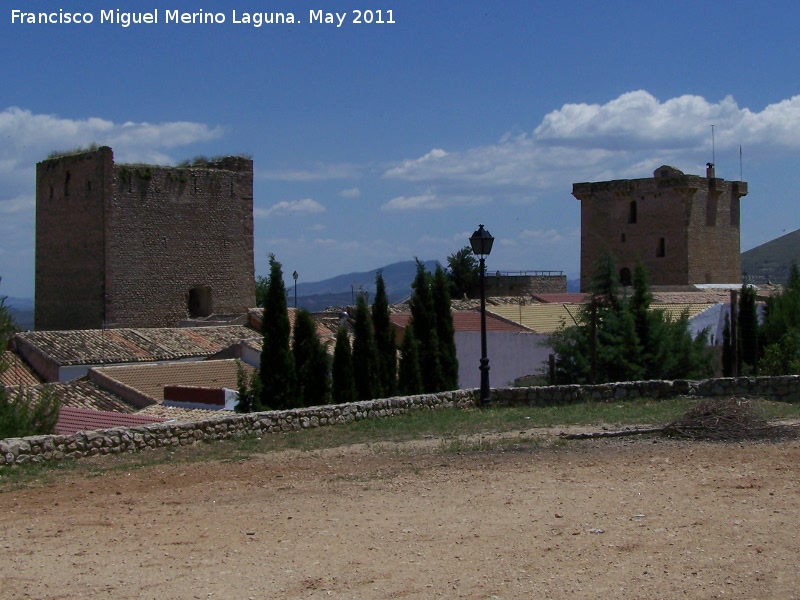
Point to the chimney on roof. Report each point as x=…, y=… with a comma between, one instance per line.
x=710, y=173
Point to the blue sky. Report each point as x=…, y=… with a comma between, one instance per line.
x=376, y=143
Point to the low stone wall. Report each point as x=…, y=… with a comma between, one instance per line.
x=46, y=448
x=786, y=388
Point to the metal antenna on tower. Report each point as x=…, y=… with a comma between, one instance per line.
x=713, y=148
x=741, y=178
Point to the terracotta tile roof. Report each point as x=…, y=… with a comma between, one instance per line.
x=174, y=413
x=674, y=310
x=82, y=393
x=547, y=318
x=15, y=371
x=96, y=346
x=71, y=420
x=704, y=296
x=565, y=298
x=150, y=379
x=467, y=320
x=327, y=322
x=541, y=318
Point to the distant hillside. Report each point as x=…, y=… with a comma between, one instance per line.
x=770, y=262
x=342, y=289
x=21, y=309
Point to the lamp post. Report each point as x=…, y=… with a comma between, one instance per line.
x=295, y=276
x=481, y=242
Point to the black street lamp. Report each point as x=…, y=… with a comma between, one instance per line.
x=295, y=276
x=481, y=242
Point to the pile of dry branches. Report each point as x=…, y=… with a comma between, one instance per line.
x=727, y=419
x=722, y=419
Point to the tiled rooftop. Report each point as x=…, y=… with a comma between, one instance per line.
x=468, y=320
x=85, y=394
x=14, y=371
x=174, y=413
x=150, y=379
x=565, y=298
x=547, y=318
x=101, y=346
x=541, y=318
x=71, y=420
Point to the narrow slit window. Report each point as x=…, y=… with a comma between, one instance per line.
x=632, y=212
x=661, y=250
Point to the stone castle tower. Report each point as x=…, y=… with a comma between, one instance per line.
x=683, y=228
x=141, y=245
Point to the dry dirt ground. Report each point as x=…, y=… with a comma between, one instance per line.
x=584, y=519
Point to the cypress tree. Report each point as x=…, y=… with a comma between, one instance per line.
x=727, y=350
x=409, y=380
x=343, y=385
x=445, y=330
x=310, y=359
x=384, y=340
x=277, y=371
x=423, y=320
x=748, y=330
x=365, y=354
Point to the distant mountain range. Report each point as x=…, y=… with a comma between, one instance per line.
x=343, y=289
x=21, y=309
x=770, y=262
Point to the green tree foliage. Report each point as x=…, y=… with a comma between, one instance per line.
x=445, y=330
x=278, y=380
x=410, y=376
x=619, y=339
x=384, y=340
x=463, y=272
x=781, y=329
x=423, y=319
x=748, y=331
x=261, y=290
x=343, y=385
x=783, y=357
x=23, y=412
x=311, y=362
x=365, y=354
x=727, y=350
x=249, y=388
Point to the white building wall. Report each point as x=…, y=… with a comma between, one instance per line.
x=511, y=355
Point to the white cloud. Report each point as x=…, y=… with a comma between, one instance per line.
x=350, y=193
x=411, y=202
x=27, y=138
x=627, y=137
x=639, y=120
x=290, y=207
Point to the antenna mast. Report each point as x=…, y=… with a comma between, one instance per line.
x=713, y=148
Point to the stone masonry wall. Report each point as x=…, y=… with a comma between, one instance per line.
x=137, y=245
x=70, y=240
x=48, y=448
x=524, y=285
x=175, y=229
x=696, y=217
